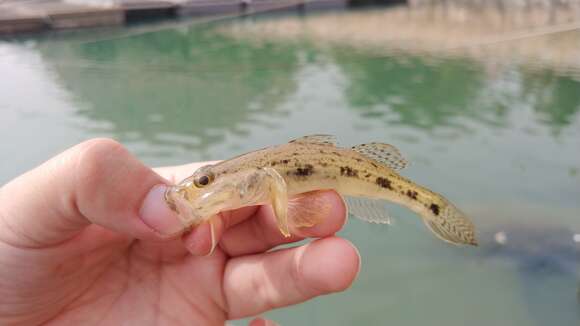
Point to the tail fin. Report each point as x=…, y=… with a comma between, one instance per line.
x=451, y=225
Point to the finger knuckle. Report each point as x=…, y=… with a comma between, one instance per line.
x=266, y=292
x=296, y=273
x=92, y=155
x=99, y=146
x=97, y=161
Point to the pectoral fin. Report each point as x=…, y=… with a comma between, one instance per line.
x=279, y=199
x=308, y=209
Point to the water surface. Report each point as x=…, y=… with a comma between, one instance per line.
x=501, y=140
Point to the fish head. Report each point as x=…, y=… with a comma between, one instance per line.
x=207, y=193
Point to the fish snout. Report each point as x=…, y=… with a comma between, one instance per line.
x=178, y=199
x=172, y=195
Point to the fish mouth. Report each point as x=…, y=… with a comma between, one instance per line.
x=175, y=194
x=176, y=200
x=168, y=196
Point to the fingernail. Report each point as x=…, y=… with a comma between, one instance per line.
x=345, y=205
x=157, y=215
x=262, y=322
x=197, y=241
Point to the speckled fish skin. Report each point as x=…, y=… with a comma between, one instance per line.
x=310, y=166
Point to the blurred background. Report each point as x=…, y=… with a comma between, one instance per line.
x=481, y=96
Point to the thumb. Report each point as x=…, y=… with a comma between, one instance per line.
x=98, y=182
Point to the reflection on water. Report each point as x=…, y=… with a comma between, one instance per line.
x=176, y=89
x=413, y=92
x=499, y=140
x=418, y=91
x=491, y=32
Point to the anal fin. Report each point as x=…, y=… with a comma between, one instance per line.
x=368, y=210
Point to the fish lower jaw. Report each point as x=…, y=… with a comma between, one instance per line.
x=188, y=216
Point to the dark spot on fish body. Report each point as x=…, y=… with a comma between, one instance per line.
x=412, y=194
x=368, y=175
x=284, y=161
x=304, y=171
x=434, y=208
x=348, y=171
x=323, y=164
x=384, y=183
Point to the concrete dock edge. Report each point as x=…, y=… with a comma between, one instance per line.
x=37, y=16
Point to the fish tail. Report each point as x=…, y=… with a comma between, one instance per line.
x=450, y=224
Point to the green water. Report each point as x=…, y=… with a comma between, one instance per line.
x=502, y=145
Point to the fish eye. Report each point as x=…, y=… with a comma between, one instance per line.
x=203, y=180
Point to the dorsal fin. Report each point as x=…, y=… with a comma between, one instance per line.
x=328, y=140
x=384, y=154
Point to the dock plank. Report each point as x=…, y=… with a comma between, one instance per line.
x=31, y=16
x=16, y=19
x=143, y=9
x=38, y=15
x=14, y=23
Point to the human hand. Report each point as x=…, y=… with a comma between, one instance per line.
x=78, y=246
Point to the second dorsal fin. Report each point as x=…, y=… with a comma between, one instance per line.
x=384, y=154
x=328, y=140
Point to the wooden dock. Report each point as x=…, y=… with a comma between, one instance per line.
x=30, y=16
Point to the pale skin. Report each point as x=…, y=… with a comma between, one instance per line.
x=86, y=238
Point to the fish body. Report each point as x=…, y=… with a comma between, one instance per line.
x=279, y=173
